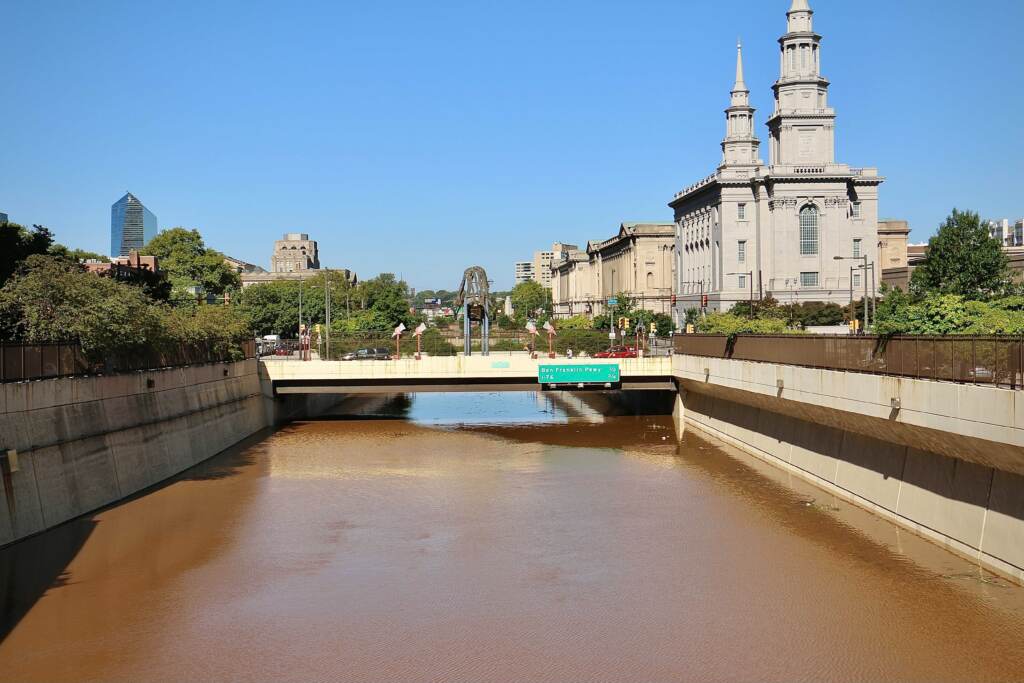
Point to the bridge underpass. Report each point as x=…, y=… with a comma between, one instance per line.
x=463, y=374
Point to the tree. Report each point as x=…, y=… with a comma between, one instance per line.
x=963, y=259
x=530, y=299
x=77, y=255
x=386, y=299
x=18, y=243
x=577, y=322
x=51, y=299
x=727, y=323
x=189, y=263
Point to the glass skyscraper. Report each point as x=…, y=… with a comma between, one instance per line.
x=131, y=225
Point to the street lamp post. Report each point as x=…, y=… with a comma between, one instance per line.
x=750, y=276
x=865, y=269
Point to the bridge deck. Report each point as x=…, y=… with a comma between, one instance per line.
x=517, y=372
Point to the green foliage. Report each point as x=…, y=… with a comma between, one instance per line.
x=388, y=300
x=18, y=243
x=662, y=323
x=963, y=260
x=817, y=313
x=189, y=263
x=77, y=255
x=728, y=323
x=589, y=341
x=530, y=299
x=603, y=322
x=577, y=322
x=52, y=299
x=273, y=307
x=378, y=304
x=944, y=314
x=447, y=297
x=502, y=321
x=220, y=327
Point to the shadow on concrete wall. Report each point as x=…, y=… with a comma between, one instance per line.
x=831, y=454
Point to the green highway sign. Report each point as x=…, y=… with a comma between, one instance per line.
x=579, y=373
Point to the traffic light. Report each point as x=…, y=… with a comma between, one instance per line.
x=703, y=300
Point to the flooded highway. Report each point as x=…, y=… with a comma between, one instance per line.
x=496, y=537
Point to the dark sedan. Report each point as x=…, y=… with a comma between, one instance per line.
x=368, y=354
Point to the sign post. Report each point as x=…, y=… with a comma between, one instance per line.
x=531, y=327
x=551, y=337
x=397, y=334
x=418, y=333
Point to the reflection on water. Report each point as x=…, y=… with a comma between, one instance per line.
x=497, y=537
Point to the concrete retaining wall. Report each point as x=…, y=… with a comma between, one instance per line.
x=83, y=443
x=964, y=503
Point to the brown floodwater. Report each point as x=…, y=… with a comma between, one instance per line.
x=537, y=541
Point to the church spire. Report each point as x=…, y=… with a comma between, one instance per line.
x=800, y=6
x=740, y=145
x=740, y=86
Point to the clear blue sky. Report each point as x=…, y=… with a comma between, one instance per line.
x=424, y=137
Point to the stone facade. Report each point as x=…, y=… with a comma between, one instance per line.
x=639, y=261
x=294, y=253
x=892, y=243
x=777, y=227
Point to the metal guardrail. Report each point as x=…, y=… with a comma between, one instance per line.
x=22, y=362
x=997, y=361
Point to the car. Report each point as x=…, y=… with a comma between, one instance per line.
x=378, y=353
x=617, y=352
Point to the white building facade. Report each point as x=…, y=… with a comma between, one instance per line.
x=752, y=229
x=524, y=271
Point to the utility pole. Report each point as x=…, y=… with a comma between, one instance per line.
x=327, y=311
x=864, y=267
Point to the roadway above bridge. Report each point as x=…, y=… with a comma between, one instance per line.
x=505, y=372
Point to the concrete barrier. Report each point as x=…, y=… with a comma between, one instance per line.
x=942, y=459
x=82, y=443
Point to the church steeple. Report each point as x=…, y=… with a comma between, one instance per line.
x=802, y=125
x=740, y=146
x=740, y=85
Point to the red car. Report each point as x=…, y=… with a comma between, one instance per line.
x=617, y=352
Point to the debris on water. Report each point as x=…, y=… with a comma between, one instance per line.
x=813, y=503
x=987, y=580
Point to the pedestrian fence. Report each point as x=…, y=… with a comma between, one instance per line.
x=989, y=360
x=436, y=343
x=21, y=362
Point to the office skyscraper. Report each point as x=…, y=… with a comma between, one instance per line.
x=131, y=225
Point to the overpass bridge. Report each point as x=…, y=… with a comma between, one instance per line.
x=513, y=372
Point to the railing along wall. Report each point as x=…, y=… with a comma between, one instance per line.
x=21, y=362
x=997, y=361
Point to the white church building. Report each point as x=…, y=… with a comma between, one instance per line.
x=751, y=229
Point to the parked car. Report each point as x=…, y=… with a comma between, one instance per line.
x=378, y=353
x=617, y=352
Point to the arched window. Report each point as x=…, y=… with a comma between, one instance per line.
x=809, y=231
x=650, y=280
